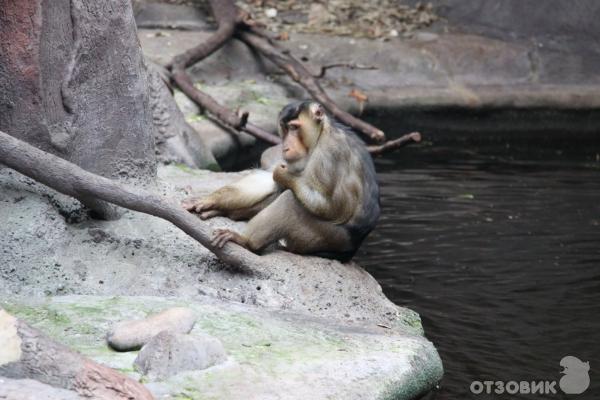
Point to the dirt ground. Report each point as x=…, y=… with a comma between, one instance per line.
x=376, y=19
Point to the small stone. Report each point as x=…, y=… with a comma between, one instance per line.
x=168, y=354
x=132, y=335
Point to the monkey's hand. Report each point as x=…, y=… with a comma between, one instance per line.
x=222, y=236
x=282, y=176
x=204, y=206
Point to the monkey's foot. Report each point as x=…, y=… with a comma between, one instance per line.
x=222, y=236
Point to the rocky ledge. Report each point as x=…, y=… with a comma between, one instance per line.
x=309, y=328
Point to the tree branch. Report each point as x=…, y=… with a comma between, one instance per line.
x=222, y=113
x=227, y=16
x=391, y=145
x=301, y=75
x=74, y=181
x=230, y=20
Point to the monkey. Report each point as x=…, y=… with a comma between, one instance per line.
x=319, y=196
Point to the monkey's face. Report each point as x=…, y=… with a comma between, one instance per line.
x=303, y=121
x=293, y=146
x=300, y=125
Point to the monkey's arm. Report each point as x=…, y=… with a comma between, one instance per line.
x=243, y=194
x=314, y=199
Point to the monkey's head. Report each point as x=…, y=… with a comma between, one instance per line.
x=300, y=126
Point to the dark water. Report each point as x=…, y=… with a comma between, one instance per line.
x=501, y=258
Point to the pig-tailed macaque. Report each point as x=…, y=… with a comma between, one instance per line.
x=321, y=197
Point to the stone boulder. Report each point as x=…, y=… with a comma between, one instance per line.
x=168, y=354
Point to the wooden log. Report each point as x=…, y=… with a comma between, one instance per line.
x=29, y=354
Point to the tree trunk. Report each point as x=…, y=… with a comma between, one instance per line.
x=73, y=82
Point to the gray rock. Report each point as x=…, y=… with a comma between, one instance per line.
x=132, y=335
x=270, y=354
x=550, y=19
x=28, y=389
x=168, y=354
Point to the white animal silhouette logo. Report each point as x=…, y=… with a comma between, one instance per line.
x=576, y=379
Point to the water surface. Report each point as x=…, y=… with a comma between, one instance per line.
x=501, y=258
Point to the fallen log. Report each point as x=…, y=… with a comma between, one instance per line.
x=29, y=354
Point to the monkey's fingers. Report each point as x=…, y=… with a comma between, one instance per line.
x=210, y=214
x=222, y=236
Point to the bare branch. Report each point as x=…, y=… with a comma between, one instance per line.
x=221, y=113
x=414, y=137
x=302, y=76
x=227, y=16
x=72, y=180
x=230, y=19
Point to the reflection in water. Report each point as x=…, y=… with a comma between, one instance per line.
x=502, y=261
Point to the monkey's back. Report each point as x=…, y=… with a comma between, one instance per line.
x=367, y=214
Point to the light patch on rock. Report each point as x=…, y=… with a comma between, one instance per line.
x=9, y=339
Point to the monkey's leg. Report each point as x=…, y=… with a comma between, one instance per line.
x=239, y=200
x=286, y=219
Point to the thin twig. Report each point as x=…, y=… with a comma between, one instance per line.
x=392, y=145
x=324, y=68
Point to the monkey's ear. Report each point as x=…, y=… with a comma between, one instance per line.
x=318, y=112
